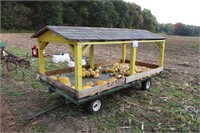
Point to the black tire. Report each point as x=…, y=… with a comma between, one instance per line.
x=146, y=85
x=94, y=106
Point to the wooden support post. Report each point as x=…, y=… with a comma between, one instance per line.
x=132, y=60
x=161, y=45
x=123, y=52
x=85, y=48
x=41, y=46
x=92, y=56
x=78, y=66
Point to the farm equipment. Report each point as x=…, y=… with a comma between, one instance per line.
x=11, y=62
x=89, y=83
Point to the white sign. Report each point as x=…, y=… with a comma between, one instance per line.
x=135, y=44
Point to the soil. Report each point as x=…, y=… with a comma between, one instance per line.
x=181, y=55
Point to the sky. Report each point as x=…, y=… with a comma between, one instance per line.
x=173, y=11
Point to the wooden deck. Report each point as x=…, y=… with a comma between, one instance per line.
x=155, y=69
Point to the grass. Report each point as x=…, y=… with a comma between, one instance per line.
x=160, y=110
x=163, y=109
x=10, y=90
x=39, y=128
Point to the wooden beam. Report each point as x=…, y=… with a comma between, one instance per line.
x=143, y=75
x=85, y=48
x=161, y=45
x=123, y=52
x=117, y=42
x=41, y=46
x=92, y=56
x=132, y=60
x=78, y=67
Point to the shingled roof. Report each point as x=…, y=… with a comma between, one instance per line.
x=99, y=34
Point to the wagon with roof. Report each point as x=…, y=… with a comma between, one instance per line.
x=72, y=83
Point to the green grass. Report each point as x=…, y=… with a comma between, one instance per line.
x=11, y=91
x=39, y=128
x=157, y=106
x=163, y=109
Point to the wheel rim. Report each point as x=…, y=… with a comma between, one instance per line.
x=97, y=105
x=148, y=84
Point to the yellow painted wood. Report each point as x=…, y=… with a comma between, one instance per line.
x=150, y=40
x=92, y=56
x=161, y=46
x=78, y=67
x=117, y=42
x=123, y=52
x=50, y=36
x=132, y=60
x=85, y=48
x=41, y=46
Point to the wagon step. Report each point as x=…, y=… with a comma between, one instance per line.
x=43, y=112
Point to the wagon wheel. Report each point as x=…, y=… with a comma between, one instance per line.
x=146, y=85
x=8, y=67
x=94, y=106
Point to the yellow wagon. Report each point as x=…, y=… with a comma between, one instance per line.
x=79, y=39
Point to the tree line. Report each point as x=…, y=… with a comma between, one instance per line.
x=33, y=15
x=179, y=29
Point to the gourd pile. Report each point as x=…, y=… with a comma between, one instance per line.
x=123, y=69
x=118, y=70
x=64, y=80
x=90, y=72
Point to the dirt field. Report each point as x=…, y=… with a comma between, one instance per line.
x=171, y=105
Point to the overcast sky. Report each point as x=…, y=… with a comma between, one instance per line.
x=173, y=11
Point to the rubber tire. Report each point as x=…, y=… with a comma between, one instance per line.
x=146, y=85
x=89, y=106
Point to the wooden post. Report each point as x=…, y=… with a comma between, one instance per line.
x=78, y=66
x=41, y=58
x=161, y=46
x=123, y=52
x=132, y=60
x=92, y=56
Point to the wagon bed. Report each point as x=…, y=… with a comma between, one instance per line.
x=155, y=69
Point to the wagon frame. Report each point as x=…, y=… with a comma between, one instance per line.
x=79, y=42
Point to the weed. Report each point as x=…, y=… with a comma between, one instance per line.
x=10, y=90
x=40, y=128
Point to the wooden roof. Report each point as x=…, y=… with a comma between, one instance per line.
x=99, y=34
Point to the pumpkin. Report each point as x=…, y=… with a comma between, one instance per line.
x=92, y=73
x=96, y=75
x=86, y=87
x=54, y=77
x=100, y=82
x=111, y=80
x=64, y=80
x=89, y=84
